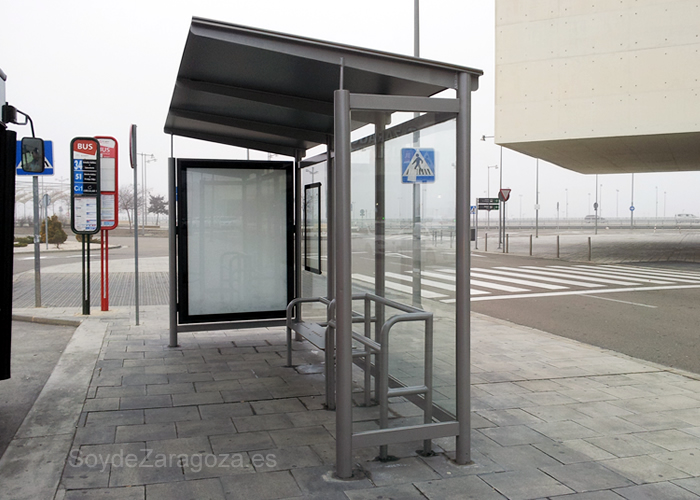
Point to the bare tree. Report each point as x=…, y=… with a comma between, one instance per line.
x=126, y=201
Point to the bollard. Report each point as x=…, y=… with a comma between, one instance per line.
x=504, y=247
x=530, y=245
x=507, y=243
x=589, y=248
x=486, y=242
x=557, y=246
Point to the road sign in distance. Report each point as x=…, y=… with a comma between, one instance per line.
x=417, y=165
x=632, y=208
x=504, y=194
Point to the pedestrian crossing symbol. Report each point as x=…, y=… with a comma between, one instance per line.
x=417, y=165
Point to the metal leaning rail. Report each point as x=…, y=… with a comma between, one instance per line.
x=319, y=334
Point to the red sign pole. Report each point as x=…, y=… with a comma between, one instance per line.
x=109, y=190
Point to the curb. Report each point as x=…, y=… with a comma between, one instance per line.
x=47, y=321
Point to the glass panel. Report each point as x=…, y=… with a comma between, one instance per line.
x=312, y=228
x=315, y=284
x=419, y=258
x=237, y=240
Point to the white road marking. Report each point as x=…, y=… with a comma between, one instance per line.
x=541, y=278
x=585, y=292
x=608, y=274
x=426, y=294
x=434, y=284
x=516, y=281
x=661, y=273
x=543, y=271
x=622, y=301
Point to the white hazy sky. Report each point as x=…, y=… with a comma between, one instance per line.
x=85, y=68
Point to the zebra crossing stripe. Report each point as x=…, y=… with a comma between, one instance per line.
x=541, y=278
x=659, y=273
x=542, y=270
x=434, y=284
x=607, y=274
x=517, y=281
x=426, y=294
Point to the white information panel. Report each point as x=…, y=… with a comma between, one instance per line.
x=85, y=213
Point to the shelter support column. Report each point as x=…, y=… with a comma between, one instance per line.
x=379, y=222
x=172, y=249
x=330, y=274
x=343, y=288
x=463, y=258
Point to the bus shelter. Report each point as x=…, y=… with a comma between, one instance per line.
x=316, y=244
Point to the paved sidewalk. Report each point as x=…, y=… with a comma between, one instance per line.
x=125, y=417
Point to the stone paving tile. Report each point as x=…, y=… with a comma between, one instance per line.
x=672, y=440
x=587, y=476
x=262, y=422
x=524, y=485
x=297, y=457
x=197, y=398
x=644, y=469
x=245, y=441
x=322, y=480
x=211, y=427
x=564, y=453
x=686, y=460
x=458, y=488
x=402, y=471
x=123, y=417
x=301, y=436
x=129, y=493
x=180, y=413
x=145, y=432
x=203, y=489
x=260, y=486
x=225, y=410
x=142, y=402
x=692, y=484
x=246, y=395
x=101, y=404
x=665, y=491
x=610, y=425
x=278, y=406
x=118, y=392
x=513, y=416
x=592, y=495
x=94, y=434
x=170, y=388
x=625, y=445
x=403, y=492
x=519, y=457
x=513, y=435
x=563, y=431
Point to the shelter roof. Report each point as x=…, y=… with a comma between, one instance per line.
x=273, y=92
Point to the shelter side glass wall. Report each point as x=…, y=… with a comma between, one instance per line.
x=437, y=261
x=229, y=273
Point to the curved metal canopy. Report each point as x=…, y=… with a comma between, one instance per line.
x=273, y=92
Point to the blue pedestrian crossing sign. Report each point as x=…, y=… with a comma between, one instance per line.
x=417, y=165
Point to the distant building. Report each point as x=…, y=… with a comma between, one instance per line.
x=600, y=86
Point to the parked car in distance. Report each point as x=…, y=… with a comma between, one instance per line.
x=590, y=219
x=687, y=218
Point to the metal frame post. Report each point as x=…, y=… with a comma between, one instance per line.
x=463, y=258
x=343, y=288
x=330, y=275
x=172, y=253
x=379, y=222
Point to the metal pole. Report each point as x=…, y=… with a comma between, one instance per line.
x=595, y=207
x=537, y=198
x=330, y=273
x=172, y=253
x=37, y=249
x=501, y=227
x=589, y=248
x=417, y=247
x=343, y=293
x=557, y=246
x=463, y=259
x=632, y=205
x=379, y=218
x=82, y=246
x=136, y=239
x=46, y=217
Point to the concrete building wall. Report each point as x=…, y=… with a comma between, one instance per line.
x=614, y=80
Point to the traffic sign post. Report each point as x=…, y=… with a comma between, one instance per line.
x=109, y=182
x=85, y=200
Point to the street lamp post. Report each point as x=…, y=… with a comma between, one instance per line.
x=146, y=158
x=537, y=198
x=488, y=192
x=501, y=230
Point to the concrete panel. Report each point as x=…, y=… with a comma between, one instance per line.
x=581, y=70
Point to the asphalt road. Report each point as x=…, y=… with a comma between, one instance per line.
x=148, y=247
x=657, y=325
